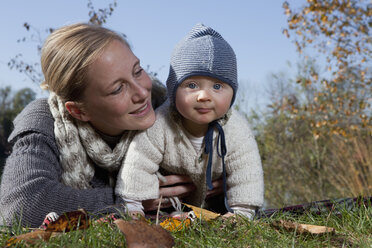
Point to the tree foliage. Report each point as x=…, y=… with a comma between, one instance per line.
x=339, y=30
x=300, y=167
x=32, y=70
x=100, y=16
x=315, y=138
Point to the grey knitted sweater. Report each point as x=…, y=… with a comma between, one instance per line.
x=30, y=184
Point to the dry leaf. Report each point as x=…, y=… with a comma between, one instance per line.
x=203, y=213
x=70, y=221
x=140, y=234
x=65, y=223
x=302, y=228
x=29, y=238
x=173, y=224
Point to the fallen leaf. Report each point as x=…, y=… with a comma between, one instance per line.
x=67, y=222
x=29, y=238
x=302, y=228
x=70, y=221
x=140, y=234
x=203, y=213
x=173, y=224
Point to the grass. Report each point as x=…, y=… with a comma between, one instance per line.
x=353, y=229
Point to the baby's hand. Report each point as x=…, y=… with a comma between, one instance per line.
x=52, y=216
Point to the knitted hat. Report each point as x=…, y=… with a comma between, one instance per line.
x=203, y=52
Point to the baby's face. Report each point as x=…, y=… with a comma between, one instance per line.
x=201, y=100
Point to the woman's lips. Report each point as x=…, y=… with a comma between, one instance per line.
x=142, y=110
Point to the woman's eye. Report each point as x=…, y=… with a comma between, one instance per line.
x=191, y=85
x=118, y=90
x=138, y=72
x=217, y=86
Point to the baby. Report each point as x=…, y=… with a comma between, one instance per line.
x=196, y=132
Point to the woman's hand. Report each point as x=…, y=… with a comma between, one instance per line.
x=175, y=186
x=178, y=186
x=217, y=188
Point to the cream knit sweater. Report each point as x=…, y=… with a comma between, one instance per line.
x=166, y=145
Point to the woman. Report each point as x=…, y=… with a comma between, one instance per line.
x=68, y=148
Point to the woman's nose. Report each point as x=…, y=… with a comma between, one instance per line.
x=141, y=92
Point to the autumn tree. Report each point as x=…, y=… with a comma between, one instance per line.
x=32, y=69
x=298, y=166
x=315, y=136
x=5, y=118
x=339, y=31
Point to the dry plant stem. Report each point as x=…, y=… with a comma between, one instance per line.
x=158, y=211
x=352, y=161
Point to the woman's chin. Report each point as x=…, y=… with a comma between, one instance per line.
x=146, y=122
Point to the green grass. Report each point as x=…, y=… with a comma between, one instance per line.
x=353, y=229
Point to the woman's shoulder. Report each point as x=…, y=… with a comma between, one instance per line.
x=35, y=117
x=40, y=105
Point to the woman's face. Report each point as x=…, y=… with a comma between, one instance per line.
x=118, y=93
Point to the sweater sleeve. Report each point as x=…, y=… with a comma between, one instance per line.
x=137, y=179
x=243, y=166
x=31, y=187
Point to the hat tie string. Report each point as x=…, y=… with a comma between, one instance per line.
x=221, y=151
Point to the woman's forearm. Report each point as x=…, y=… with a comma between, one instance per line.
x=31, y=187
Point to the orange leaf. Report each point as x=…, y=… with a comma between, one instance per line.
x=70, y=221
x=203, y=213
x=29, y=238
x=139, y=233
x=173, y=224
x=65, y=223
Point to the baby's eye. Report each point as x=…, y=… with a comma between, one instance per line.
x=217, y=86
x=191, y=85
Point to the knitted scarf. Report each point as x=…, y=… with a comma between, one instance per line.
x=81, y=147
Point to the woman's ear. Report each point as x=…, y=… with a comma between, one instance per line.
x=76, y=111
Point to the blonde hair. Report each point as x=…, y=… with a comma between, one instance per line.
x=68, y=52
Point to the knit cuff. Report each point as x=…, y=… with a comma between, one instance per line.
x=246, y=211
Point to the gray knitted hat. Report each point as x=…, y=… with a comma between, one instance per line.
x=203, y=52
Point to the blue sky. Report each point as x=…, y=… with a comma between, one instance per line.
x=253, y=28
